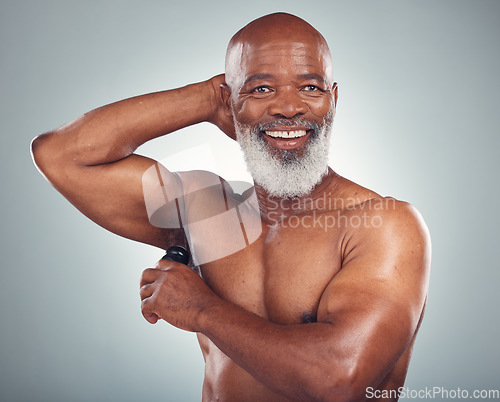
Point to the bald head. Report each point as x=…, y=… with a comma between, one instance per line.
x=281, y=31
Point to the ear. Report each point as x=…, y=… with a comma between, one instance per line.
x=335, y=92
x=225, y=93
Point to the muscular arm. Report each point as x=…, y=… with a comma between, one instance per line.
x=366, y=318
x=91, y=161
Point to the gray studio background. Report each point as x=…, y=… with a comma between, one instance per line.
x=418, y=118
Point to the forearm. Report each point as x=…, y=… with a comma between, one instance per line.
x=297, y=361
x=114, y=131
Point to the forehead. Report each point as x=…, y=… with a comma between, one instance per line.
x=280, y=57
x=295, y=52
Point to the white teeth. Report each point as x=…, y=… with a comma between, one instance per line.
x=286, y=134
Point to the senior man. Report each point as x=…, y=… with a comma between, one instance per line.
x=324, y=298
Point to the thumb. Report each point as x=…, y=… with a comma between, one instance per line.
x=152, y=318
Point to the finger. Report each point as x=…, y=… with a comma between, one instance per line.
x=147, y=291
x=165, y=265
x=149, y=276
x=150, y=317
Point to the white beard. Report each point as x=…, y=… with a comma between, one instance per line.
x=283, y=173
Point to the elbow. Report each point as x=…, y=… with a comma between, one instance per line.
x=44, y=153
x=38, y=149
x=340, y=386
x=346, y=390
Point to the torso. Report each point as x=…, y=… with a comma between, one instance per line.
x=281, y=277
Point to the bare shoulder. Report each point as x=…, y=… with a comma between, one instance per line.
x=400, y=216
x=392, y=239
x=384, y=225
x=396, y=215
x=390, y=218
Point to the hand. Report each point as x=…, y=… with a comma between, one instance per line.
x=173, y=292
x=221, y=115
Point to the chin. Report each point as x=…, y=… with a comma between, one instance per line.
x=285, y=173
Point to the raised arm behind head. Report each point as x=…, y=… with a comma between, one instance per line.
x=91, y=161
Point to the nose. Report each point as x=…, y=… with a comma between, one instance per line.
x=287, y=103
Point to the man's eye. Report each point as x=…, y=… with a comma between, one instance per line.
x=311, y=88
x=262, y=90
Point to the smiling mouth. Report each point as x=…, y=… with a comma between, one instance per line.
x=286, y=134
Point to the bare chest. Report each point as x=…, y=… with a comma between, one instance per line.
x=281, y=276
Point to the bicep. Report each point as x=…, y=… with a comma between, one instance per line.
x=112, y=195
x=376, y=300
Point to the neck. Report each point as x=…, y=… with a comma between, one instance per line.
x=275, y=209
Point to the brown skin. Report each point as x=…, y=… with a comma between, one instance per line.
x=363, y=286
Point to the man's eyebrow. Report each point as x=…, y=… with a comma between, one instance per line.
x=256, y=77
x=312, y=76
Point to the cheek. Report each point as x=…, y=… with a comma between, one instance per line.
x=320, y=107
x=249, y=111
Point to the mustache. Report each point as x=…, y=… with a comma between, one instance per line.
x=308, y=125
